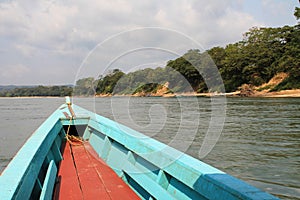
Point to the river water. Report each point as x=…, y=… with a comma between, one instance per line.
x=259, y=142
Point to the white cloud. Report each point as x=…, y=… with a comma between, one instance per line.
x=279, y=12
x=65, y=31
x=14, y=71
x=11, y=19
x=231, y=26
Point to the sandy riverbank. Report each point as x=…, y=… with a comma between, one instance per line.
x=283, y=93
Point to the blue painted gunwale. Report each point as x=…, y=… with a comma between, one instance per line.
x=151, y=168
x=24, y=176
x=180, y=175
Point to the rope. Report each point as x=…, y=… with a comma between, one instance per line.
x=73, y=140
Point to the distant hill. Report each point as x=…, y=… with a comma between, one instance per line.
x=11, y=87
x=31, y=90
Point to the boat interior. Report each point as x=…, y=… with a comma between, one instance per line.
x=87, y=156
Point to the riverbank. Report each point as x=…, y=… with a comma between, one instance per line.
x=280, y=94
x=283, y=93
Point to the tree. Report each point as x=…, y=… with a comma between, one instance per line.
x=234, y=63
x=186, y=65
x=297, y=13
x=262, y=47
x=107, y=84
x=85, y=87
x=218, y=55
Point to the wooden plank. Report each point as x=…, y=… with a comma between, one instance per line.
x=115, y=186
x=83, y=175
x=48, y=186
x=68, y=186
x=90, y=182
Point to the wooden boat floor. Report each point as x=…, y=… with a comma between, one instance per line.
x=83, y=175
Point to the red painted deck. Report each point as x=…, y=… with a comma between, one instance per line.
x=83, y=175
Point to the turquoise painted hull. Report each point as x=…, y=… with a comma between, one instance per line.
x=152, y=169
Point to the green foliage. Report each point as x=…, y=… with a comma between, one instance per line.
x=130, y=82
x=186, y=66
x=234, y=63
x=262, y=53
x=265, y=88
x=38, y=91
x=297, y=13
x=217, y=54
x=107, y=84
x=85, y=87
x=287, y=84
x=147, y=88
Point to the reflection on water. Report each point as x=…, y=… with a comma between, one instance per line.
x=260, y=142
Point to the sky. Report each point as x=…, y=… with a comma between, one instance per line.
x=49, y=42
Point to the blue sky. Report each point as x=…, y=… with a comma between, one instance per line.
x=46, y=41
x=272, y=12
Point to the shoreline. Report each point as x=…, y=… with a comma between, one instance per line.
x=280, y=94
x=295, y=93
x=32, y=97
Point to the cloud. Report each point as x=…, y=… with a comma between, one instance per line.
x=59, y=25
x=14, y=71
x=279, y=12
x=59, y=34
x=232, y=25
